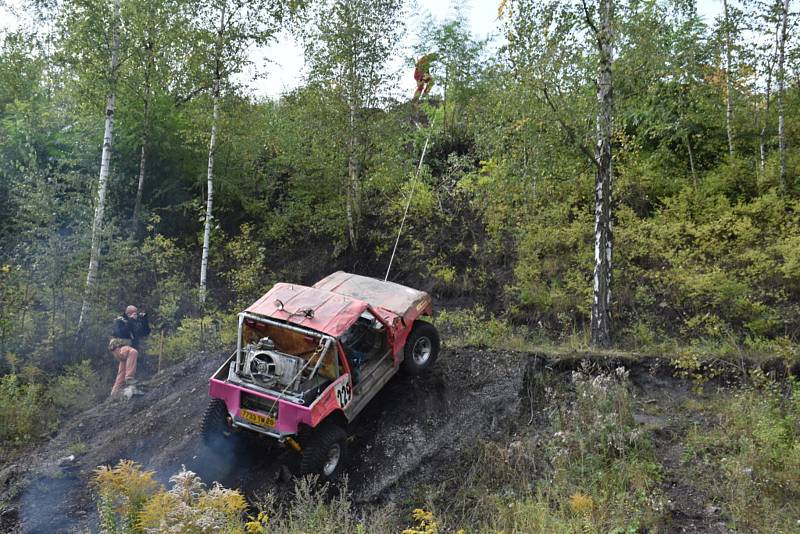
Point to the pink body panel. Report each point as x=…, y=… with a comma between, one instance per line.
x=395, y=298
x=332, y=313
x=290, y=415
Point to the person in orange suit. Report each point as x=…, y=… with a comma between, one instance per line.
x=127, y=332
x=422, y=75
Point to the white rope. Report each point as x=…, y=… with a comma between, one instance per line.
x=410, y=195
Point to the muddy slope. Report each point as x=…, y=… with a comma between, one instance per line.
x=472, y=393
x=413, y=432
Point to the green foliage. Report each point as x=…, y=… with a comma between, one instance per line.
x=20, y=411
x=122, y=493
x=750, y=458
x=311, y=511
x=585, y=466
x=188, y=507
x=76, y=389
x=172, y=293
x=599, y=451
x=131, y=502
x=246, y=275
x=208, y=334
x=476, y=327
x=27, y=395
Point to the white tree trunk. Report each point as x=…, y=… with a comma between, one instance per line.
x=728, y=80
x=781, y=90
x=137, y=206
x=762, y=137
x=691, y=160
x=105, y=165
x=212, y=147
x=352, y=187
x=601, y=295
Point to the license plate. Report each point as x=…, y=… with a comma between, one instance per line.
x=257, y=418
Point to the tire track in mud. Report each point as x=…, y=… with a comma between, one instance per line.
x=471, y=394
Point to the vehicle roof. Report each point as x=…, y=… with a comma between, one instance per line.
x=390, y=296
x=337, y=301
x=332, y=313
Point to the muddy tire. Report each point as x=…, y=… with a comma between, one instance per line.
x=216, y=429
x=324, y=452
x=421, y=349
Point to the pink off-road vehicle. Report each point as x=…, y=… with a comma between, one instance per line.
x=309, y=359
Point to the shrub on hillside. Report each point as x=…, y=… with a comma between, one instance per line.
x=321, y=509
x=750, y=459
x=188, y=507
x=75, y=389
x=122, y=492
x=213, y=333
x=20, y=410
x=131, y=502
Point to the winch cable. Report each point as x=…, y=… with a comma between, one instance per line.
x=410, y=196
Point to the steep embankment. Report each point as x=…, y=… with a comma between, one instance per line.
x=415, y=432
x=472, y=393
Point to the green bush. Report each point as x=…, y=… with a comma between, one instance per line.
x=75, y=389
x=213, y=333
x=476, y=327
x=750, y=459
x=585, y=466
x=246, y=274
x=21, y=411
x=130, y=501
x=603, y=464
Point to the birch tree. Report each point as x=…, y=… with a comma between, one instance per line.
x=225, y=29
x=727, y=23
x=348, y=44
x=781, y=96
x=157, y=31
x=603, y=32
x=769, y=24
x=561, y=47
x=83, y=17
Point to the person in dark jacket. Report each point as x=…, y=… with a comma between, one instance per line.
x=127, y=333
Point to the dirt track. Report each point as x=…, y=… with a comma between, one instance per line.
x=410, y=433
x=410, y=421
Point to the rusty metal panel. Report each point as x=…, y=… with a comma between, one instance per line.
x=310, y=307
x=396, y=298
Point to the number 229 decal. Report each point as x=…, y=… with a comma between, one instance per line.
x=344, y=392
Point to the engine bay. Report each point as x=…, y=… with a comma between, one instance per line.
x=284, y=360
x=268, y=367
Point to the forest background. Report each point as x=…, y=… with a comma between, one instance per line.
x=500, y=228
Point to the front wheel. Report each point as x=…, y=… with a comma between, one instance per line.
x=324, y=454
x=421, y=349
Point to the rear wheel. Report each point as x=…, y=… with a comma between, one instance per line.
x=217, y=428
x=325, y=451
x=421, y=349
